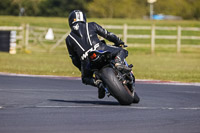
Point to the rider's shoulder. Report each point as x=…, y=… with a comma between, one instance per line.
x=92, y=23
x=68, y=36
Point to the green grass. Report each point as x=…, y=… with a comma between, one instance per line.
x=63, y=22
x=165, y=64
x=38, y=64
x=34, y=21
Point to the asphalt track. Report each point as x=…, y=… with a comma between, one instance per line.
x=65, y=105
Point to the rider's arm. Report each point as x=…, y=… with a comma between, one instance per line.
x=75, y=59
x=87, y=74
x=107, y=35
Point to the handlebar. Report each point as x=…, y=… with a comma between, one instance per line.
x=121, y=45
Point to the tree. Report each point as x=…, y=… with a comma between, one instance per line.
x=187, y=9
x=116, y=8
x=61, y=7
x=174, y=7
x=5, y=7
x=30, y=7
x=195, y=8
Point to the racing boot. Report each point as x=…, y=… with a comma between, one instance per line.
x=101, y=89
x=101, y=93
x=120, y=65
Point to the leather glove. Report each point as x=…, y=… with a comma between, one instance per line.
x=120, y=44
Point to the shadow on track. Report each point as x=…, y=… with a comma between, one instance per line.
x=85, y=102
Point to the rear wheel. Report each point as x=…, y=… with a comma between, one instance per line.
x=115, y=87
x=136, y=98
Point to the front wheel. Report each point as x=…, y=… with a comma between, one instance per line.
x=115, y=87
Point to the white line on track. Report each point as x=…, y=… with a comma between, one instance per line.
x=41, y=76
x=78, y=78
x=145, y=81
x=129, y=107
x=50, y=90
x=111, y=106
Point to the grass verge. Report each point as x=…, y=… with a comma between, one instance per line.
x=164, y=65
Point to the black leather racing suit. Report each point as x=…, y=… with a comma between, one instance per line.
x=84, y=38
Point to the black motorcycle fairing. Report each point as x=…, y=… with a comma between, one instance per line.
x=99, y=59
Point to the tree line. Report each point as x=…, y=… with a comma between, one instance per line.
x=187, y=9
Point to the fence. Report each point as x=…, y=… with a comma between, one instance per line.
x=20, y=37
x=153, y=36
x=35, y=35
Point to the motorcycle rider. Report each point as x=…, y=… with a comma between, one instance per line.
x=84, y=38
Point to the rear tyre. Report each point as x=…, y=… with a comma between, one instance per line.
x=115, y=87
x=136, y=98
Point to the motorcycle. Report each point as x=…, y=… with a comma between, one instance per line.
x=119, y=84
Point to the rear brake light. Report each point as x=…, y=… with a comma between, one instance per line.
x=93, y=56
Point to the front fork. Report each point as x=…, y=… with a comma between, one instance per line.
x=131, y=78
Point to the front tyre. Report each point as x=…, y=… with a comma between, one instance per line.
x=115, y=87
